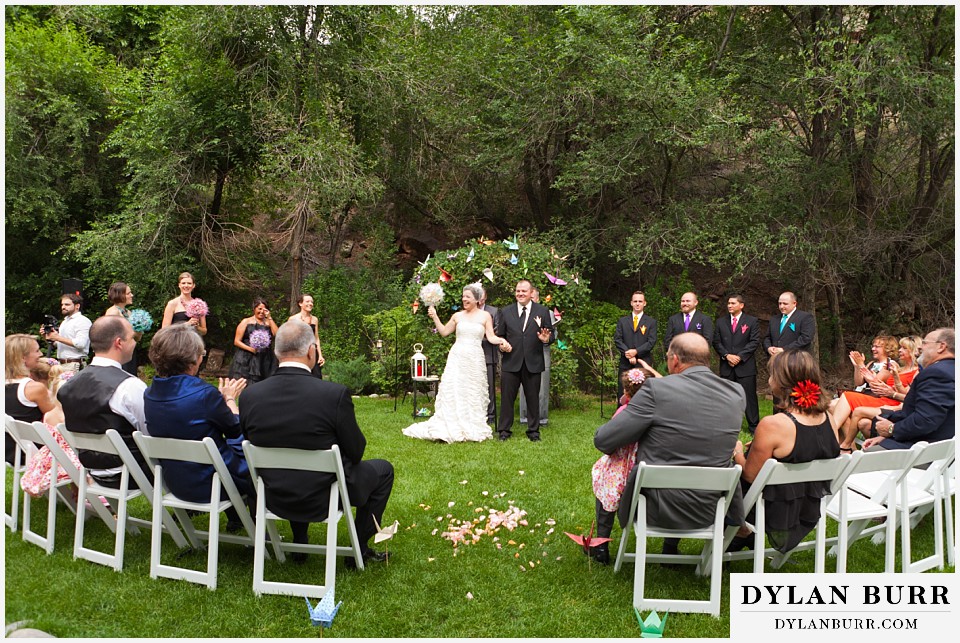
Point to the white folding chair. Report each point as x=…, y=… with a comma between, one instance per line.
x=833, y=471
x=688, y=478
x=112, y=443
x=854, y=511
x=926, y=492
x=26, y=436
x=20, y=459
x=202, y=452
x=260, y=458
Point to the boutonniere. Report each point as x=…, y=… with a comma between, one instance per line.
x=793, y=327
x=537, y=319
x=699, y=326
x=643, y=330
x=743, y=328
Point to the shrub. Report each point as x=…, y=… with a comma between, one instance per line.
x=354, y=374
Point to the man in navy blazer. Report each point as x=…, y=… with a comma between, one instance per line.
x=688, y=320
x=526, y=327
x=735, y=338
x=635, y=337
x=929, y=409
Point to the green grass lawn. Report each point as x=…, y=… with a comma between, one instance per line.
x=423, y=592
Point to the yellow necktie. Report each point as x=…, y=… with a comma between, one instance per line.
x=635, y=320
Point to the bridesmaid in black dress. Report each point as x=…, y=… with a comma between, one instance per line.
x=176, y=310
x=249, y=362
x=121, y=297
x=307, y=317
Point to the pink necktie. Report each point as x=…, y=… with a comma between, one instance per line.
x=734, y=324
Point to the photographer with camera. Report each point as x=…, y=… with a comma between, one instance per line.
x=73, y=335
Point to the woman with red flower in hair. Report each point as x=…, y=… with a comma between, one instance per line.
x=802, y=433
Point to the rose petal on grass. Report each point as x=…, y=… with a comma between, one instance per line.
x=485, y=493
x=430, y=560
x=550, y=521
x=469, y=596
x=531, y=564
x=521, y=472
x=463, y=482
x=550, y=531
x=451, y=503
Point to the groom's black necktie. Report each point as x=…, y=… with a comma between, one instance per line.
x=523, y=318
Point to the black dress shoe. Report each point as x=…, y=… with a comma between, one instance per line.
x=504, y=436
x=601, y=553
x=299, y=557
x=671, y=546
x=742, y=542
x=234, y=526
x=534, y=437
x=369, y=556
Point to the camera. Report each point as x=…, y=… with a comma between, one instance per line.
x=49, y=324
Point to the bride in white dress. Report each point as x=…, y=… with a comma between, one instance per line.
x=461, y=409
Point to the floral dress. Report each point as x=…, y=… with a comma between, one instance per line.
x=610, y=473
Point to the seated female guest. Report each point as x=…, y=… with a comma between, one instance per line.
x=176, y=310
x=254, y=359
x=121, y=296
x=181, y=405
x=305, y=302
x=802, y=433
x=882, y=393
x=24, y=399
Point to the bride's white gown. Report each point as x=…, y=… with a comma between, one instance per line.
x=461, y=408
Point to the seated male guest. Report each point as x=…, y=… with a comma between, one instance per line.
x=104, y=396
x=297, y=411
x=690, y=418
x=179, y=404
x=929, y=409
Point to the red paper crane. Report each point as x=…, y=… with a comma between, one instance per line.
x=588, y=542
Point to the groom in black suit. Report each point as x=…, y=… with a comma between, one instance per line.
x=792, y=328
x=526, y=327
x=688, y=320
x=293, y=409
x=735, y=338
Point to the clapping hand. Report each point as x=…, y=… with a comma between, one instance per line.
x=230, y=388
x=867, y=375
x=857, y=358
x=881, y=388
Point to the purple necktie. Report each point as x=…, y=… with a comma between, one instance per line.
x=686, y=321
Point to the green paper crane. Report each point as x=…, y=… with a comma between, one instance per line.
x=652, y=627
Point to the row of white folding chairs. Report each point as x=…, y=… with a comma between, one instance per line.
x=888, y=473
x=154, y=451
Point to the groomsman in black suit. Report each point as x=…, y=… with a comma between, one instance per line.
x=635, y=337
x=526, y=327
x=735, y=339
x=492, y=356
x=792, y=328
x=688, y=320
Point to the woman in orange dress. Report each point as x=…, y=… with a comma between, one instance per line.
x=853, y=406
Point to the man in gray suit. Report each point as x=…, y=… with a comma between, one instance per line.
x=492, y=355
x=691, y=417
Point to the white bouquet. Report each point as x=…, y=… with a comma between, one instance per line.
x=431, y=294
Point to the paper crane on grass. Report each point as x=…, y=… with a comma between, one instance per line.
x=325, y=610
x=385, y=533
x=652, y=627
x=587, y=541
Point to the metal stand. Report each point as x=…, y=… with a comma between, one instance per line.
x=430, y=381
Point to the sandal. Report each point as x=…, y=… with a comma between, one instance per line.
x=846, y=449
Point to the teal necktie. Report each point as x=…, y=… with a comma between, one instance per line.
x=783, y=322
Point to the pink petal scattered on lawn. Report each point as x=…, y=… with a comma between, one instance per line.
x=550, y=531
x=550, y=521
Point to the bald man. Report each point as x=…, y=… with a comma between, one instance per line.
x=688, y=320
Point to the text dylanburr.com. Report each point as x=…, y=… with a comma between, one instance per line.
x=859, y=606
